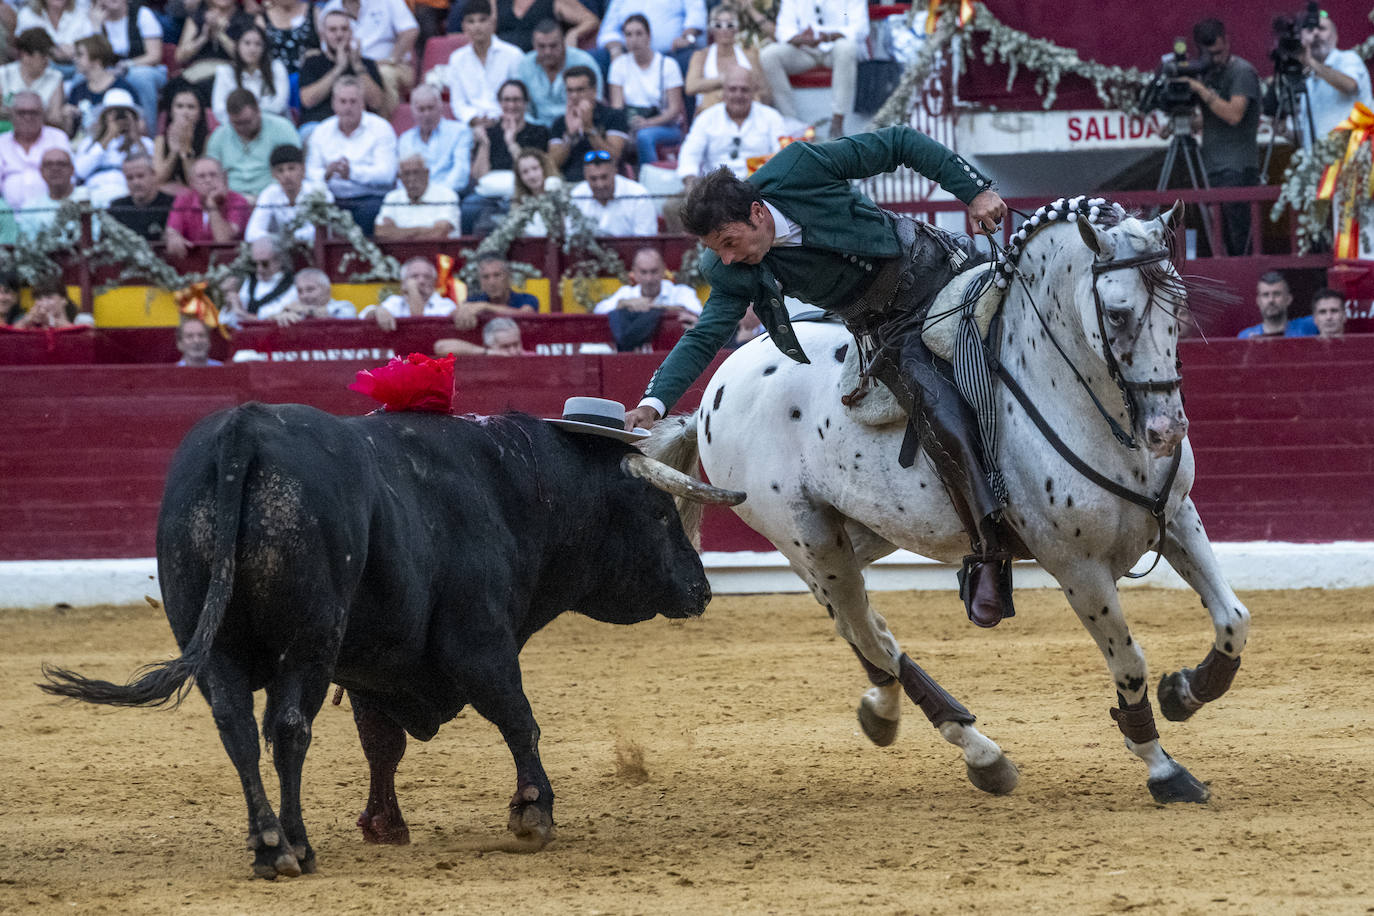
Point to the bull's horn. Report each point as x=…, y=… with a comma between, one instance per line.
x=677, y=483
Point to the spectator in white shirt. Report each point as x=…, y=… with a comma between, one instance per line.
x=99, y=160
x=418, y=297
x=420, y=209
x=817, y=33
x=386, y=31
x=252, y=69
x=22, y=149
x=40, y=210
x=61, y=20
x=649, y=87
x=677, y=26
x=612, y=203
x=268, y=290
x=354, y=153
x=651, y=288
x=33, y=72
x=730, y=133
x=477, y=70
x=315, y=299
x=137, y=42
x=1335, y=79
x=276, y=205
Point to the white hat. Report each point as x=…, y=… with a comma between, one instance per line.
x=118, y=98
x=598, y=417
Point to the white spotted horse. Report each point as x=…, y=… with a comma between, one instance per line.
x=1090, y=440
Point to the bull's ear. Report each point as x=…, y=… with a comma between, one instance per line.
x=1094, y=237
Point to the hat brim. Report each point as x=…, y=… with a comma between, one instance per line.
x=624, y=435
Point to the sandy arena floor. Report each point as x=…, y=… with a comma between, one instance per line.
x=757, y=792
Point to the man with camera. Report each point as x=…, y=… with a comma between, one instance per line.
x=1335, y=80
x=1229, y=97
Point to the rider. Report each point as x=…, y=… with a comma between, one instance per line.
x=798, y=227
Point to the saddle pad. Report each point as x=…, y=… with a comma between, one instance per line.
x=942, y=321
x=879, y=406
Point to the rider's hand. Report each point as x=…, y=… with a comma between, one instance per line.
x=644, y=416
x=987, y=210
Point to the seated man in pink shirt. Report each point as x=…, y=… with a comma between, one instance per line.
x=207, y=211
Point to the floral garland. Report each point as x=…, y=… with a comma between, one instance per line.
x=557, y=210
x=115, y=244
x=1117, y=87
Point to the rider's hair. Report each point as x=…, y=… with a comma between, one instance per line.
x=717, y=199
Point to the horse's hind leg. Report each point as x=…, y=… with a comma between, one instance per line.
x=1182, y=693
x=1096, y=602
x=824, y=556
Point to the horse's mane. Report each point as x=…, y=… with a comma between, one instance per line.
x=1203, y=298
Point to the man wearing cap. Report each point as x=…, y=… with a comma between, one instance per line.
x=798, y=227
x=276, y=205
x=244, y=146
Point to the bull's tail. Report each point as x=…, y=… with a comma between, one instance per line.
x=674, y=442
x=168, y=682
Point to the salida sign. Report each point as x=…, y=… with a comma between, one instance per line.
x=1107, y=126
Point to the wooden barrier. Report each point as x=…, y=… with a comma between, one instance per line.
x=1283, y=431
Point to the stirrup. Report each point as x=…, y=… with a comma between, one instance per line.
x=974, y=568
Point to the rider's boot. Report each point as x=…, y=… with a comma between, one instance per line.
x=949, y=435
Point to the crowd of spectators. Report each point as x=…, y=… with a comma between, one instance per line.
x=198, y=122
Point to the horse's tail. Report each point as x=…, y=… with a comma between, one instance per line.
x=168, y=682
x=674, y=442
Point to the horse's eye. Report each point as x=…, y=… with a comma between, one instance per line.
x=1118, y=318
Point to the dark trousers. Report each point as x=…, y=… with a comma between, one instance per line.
x=1235, y=218
x=363, y=210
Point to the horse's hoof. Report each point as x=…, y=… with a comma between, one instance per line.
x=1180, y=786
x=997, y=778
x=880, y=731
x=1173, y=698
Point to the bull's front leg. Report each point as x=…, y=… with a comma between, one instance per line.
x=496, y=693
x=1189, y=552
x=384, y=744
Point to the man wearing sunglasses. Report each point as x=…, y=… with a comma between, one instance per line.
x=798, y=227
x=612, y=203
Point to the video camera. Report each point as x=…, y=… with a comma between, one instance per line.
x=1167, y=92
x=1288, y=48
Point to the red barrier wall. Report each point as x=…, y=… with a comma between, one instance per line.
x=1283, y=430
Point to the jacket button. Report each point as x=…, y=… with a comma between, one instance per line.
x=791, y=351
x=782, y=329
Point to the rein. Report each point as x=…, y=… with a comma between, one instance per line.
x=1154, y=505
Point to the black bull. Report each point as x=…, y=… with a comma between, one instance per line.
x=407, y=557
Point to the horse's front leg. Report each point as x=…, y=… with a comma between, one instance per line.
x=825, y=558
x=1096, y=602
x=1189, y=552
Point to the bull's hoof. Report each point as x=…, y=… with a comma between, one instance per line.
x=383, y=829
x=1174, y=698
x=305, y=857
x=531, y=821
x=880, y=731
x=1180, y=786
x=272, y=859
x=997, y=778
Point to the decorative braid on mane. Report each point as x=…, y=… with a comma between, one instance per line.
x=1096, y=211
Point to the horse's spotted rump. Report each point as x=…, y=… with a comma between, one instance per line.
x=841, y=353
x=796, y=413
x=707, y=424
x=770, y=370
x=720, y=393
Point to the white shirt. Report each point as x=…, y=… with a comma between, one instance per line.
x=19, y=169
x=100, y=169
x=12, y=81
x=40, y=210
x=786, y=234
x=847, y=16
x=273, y=210
x=629, y=212
x=711, y=142
x=437, y=307
x=710, y=68
x=437, y=204
x=646, y=87
x=667, y=20
x=273, y=103
x=670, y=295
x=71, y=26
x=278, y=303
x=117, y=31
x=370, y=151
x=1329, y=106
x=377, y=25
x=472, y=84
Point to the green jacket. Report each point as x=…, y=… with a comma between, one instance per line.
x=844, y=236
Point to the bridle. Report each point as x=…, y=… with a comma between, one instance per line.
x=1156, y=504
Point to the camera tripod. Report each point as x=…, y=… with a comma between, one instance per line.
x=1182, y=140
x=1291, y=95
